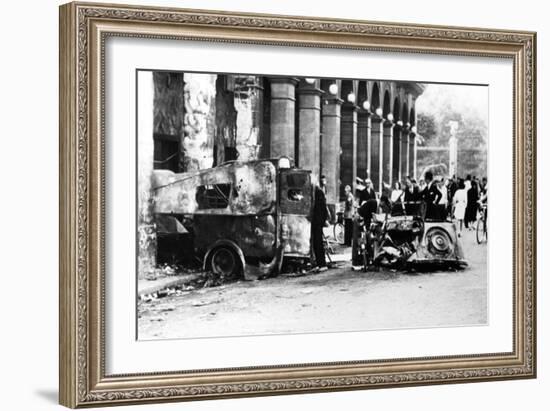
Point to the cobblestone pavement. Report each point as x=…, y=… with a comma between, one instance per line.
x=336, y=300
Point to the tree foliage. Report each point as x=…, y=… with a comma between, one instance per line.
x=435, y=128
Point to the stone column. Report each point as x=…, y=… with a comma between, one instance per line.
x=330, y=147
x=200, y=121
x=404, y=152
x=387, y=150
x=348, y=143
x=412, y=154
x=283, y=116
x=377, y=141
x=396, y=154
x=309, y=132
x=363, y=144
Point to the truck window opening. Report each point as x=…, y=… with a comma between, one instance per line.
x=213, y=196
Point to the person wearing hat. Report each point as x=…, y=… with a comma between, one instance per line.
x=431, y=196
x=319, y=219
x=368, y=204
x=349, y=212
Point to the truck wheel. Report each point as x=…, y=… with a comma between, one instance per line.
x=225, y=263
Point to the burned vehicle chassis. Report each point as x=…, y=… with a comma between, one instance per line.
x=243, y=217
x=411, y=243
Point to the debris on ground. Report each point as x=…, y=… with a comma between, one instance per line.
x=169, y=270
x=148, y=297
x=202, y=303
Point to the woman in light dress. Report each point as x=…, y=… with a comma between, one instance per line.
x=460, y=200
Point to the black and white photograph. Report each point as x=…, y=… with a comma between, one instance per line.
x=274, y=205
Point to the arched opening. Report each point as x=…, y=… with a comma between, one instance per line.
x=362, y=95
x=396, y=141
x=404, y=153
x=396, y=109
x=405, y=114
x=387, y=142
x=386, y=109
x=347, y=91
x=412, y=154
x=363, y=141
x=375, y=97
x=348, y=137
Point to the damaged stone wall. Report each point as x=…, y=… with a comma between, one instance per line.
x=213, y=118
x=210, y=115
x=226, y=118
x=249, y=106
x=168, y=105
x=199, y=122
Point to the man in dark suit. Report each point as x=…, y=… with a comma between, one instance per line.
x=431, y=196
x=318, y=220
x=452, y=187
x=368, y=204
x=411, y=197
x=361, y=222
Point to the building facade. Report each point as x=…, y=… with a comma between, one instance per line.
x=341, y=129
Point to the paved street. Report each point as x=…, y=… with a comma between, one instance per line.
x=337, y=300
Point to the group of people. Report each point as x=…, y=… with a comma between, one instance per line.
x=467, y=196
x=433, y=198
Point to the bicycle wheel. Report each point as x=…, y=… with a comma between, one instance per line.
x=339, y=233
x=328, y=250
x=479, y=230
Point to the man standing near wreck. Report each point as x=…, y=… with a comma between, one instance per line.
x=318, y=220
x=431, y=196
x=349, y=212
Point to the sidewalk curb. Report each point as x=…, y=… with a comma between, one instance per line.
x=161, y=285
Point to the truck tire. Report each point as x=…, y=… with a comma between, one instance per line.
x=225, y=263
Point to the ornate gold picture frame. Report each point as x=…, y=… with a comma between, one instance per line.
x=84, y=29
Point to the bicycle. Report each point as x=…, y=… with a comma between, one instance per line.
x=481, y=226
x=329, y=249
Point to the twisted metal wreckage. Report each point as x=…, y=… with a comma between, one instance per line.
x=247, y=217
x=411, y=242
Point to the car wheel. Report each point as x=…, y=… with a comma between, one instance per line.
x=439, y=242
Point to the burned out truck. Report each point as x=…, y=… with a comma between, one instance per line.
x=244, y=217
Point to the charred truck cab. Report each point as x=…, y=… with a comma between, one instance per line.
x=244, y=217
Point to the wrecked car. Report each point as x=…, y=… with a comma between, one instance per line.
x=244, y=217
x=411, y=242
